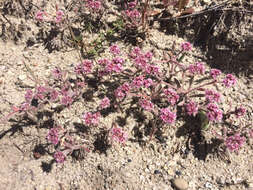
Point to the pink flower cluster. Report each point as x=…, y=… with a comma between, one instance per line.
x=214, y=73
x=167, y=116
x=134, y=15
x=229, y=80
x=66, y=100
x=91, y=118
x=40, y=16
x=121, y=91
x=148, y=82
x=132, y=4
x=212, y=96
x=94, y=5
x=84, y=68
x=192, y=108
x=54, y=95
x=214, y=113
x=59, y=157
x=115, y=65
x=135, y=52
x=234, y=142
x=140, y=81
x=172, y=95
x=114, y=49
x=59, y=16
x=41, y=92
x=53, y=136
x=146, y=104
x=142, y=60
x=197, y=68
x=118, y=135
x=28, y=96
x=111, y=67
x=186, y=46
x=105, y=103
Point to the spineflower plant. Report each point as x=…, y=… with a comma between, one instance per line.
x=159, y=87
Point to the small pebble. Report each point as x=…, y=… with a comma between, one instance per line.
x=180, y=184
x=178, y=173
x=22, y=77
x=157, y=172
x=208, y=185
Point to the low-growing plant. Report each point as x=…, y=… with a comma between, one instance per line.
x=168, y=89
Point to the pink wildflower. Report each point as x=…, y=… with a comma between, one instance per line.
x=186, y=46
x=40, y=16
x=54, y=95
x=59, y=16
x=229, y=80
x=28, y=95
x=111, y=67
x=140, y=61
x=94, y=5
x=234, y=142
x=40, y=92
x=91, y=118
x=53, y=136
x=214, y=113
x=122, y=90
x=133, y=14
x=146, y=104
x=84, y=68
x=192, y=108
x=132, y=4
x=104, y=61
x=198, y=68
x=152, y=69
x=105, y=103
x=125, y=87
x=148, y=82
x=114, y=49
x=119, y=93
x=172, y=95
x=117, y=68
x=59, y=157
x=118, y=135
x=214, y=73
x=117, y=60
x=167, y=116
x=149, y=55
x=66, y=100
x=87, y=66
x=135, y=52
x=212, y=96
x=138, y=82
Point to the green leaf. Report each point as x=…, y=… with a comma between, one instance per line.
x=204, y=121
x=181, y=58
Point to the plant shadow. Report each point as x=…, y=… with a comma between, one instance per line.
x=197, y=142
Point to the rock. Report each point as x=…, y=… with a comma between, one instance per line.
x=180, y=184
x=22, y=77
x=157, y=172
